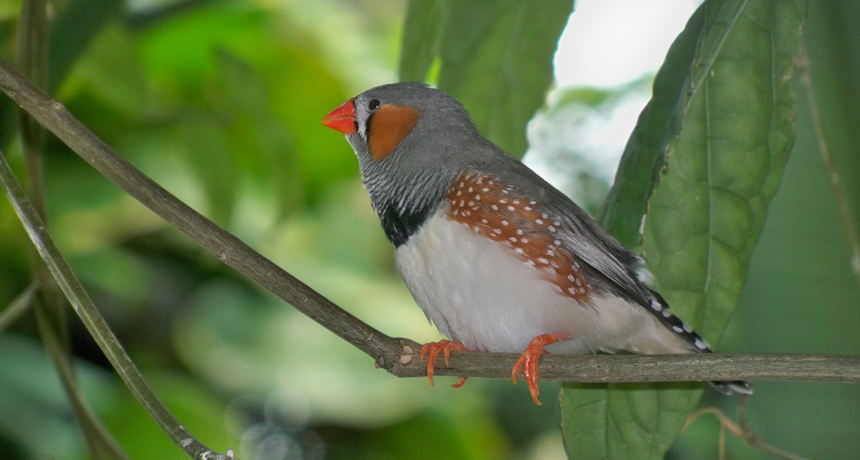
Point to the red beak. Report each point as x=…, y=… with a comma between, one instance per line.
x=342, y=118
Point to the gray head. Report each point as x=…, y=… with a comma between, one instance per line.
x=411, y=141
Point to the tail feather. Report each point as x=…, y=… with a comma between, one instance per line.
x=737, y=386
x=660, y=309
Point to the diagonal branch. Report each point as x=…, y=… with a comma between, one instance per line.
x=229, y=249
x=399, y=356
x=98, y=329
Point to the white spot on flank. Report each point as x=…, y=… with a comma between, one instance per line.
x=666, y=314
x=656, y=306
x=494, y=207
x=510, y=208
x=551, y=229
x=578, y=282
x=550, y=252
x=532, y=202
x=516, y=201
x=497, y=231
x=484, y=221
x=687, y=328
x=462, y=202
x=513, y=239
x=552, y=262
x=557, y=243
x=530, y=263
x=505, y=192
x=538, y=221
x=505, y=223
x=571, y=290
x=471, y=203
x=519, y=250
x=543, y=261
x=503, y=201
x=470, y=190
x=478, y=197
x=459, y=193
x=677, y=329
x=519, y=231
x=524, y=240
x=699, y=344
x=476, y=228
x=528, y=208
x=571, y=278
x=544, y=216
x=485, y=190
x=456, y=212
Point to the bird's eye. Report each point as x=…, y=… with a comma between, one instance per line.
x=373, y=104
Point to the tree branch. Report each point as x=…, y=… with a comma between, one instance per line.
x=399, y=356
x=101, y=333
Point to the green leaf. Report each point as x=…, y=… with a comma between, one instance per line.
x=422, y=33
x=72, y=32
x=707, y=208
x=496, y=58
x=644, y=156
x=722, y=171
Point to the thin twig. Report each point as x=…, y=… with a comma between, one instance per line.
x=840, y=196
x=94, y=322
x=399, y=356
x=99, y=441
x=32, y=57
x=18, y=307
x=740, y=429
x=752, y=438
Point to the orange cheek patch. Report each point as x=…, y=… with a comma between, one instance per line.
x=389, y=125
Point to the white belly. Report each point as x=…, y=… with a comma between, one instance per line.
x=479, y=293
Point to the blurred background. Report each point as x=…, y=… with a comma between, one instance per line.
x=220, y=102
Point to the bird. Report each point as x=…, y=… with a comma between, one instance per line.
x=496, y=257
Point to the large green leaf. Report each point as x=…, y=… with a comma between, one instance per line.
x=706, y=210
x=422, y=33
x=659, y=123
x=496, y=57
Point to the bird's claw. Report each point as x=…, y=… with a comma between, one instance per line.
x=432, y=349
x=528, y=361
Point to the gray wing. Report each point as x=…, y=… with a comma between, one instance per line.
x=585, y=238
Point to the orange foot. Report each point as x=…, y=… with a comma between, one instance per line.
x=529, y=360
x=432, y=349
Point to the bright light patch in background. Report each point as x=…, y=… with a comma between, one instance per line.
x=607, y=45
x=610, y=42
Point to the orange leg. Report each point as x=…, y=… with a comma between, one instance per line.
x=432, y=349
x=529, y=360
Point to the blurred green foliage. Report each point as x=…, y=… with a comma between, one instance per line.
x=220, y=101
